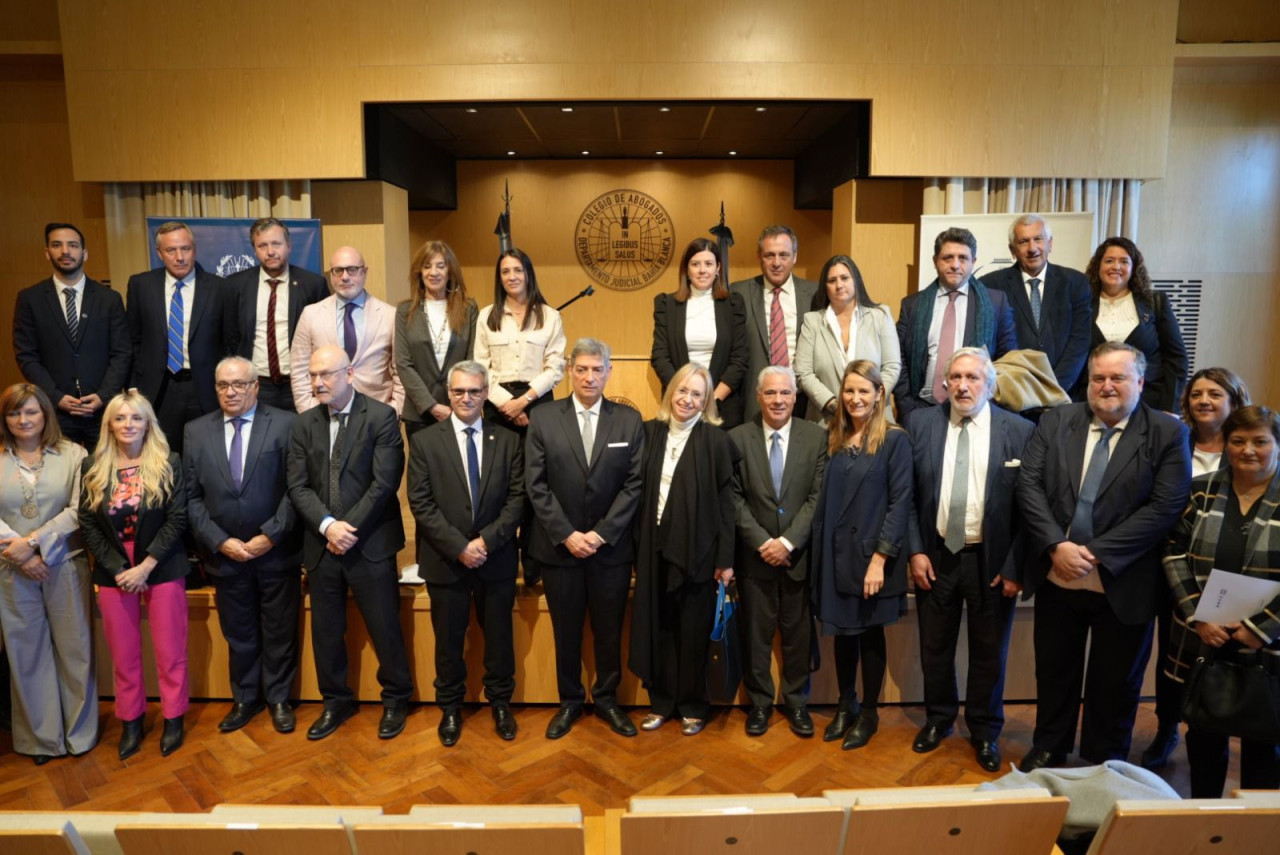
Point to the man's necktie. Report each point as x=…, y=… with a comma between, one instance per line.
x=946, y=347
x=349, y=331
x=73, y=320
x=1035, y=300
x=958, y=503
x=273, y=350
x=237, y=453
x=1082, y=520
x=335, y=468
x=473, y=471
x=778, y=353
x=588, y=434
x=174, y=362
x=775, y=463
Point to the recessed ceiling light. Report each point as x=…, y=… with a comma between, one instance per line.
x=761, y=109
x=659, y=152
x=472, y=110
x=566, y=109
x=510, y=153
x=586, y=152
x=664, y=109
x=733, y=154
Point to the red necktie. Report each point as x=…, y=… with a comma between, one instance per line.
x=778, y=332
x=946, y=347
x=273, y=353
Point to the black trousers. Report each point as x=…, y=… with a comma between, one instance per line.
x=1111, y=680
x=869, y=647
x=376, y=590
x=80, y=429
x=776, y=604
x=683, y=625
x=258, y=611
x=450, y=617
x=278, y=395
x=175, y=405
x=1207, y=754
x=572, y=592
x=959, y=585
x=1168, y=691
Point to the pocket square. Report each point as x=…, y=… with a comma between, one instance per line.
x=1012, y=464
x=619, y=444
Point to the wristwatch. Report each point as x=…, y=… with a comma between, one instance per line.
x=33, y=543
x=530, y=397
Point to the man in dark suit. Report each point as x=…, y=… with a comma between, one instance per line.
x=954, y=311
x=180, y=328
x=1098, y=509
x=966, y=550
x=267, y=301
x=583, y=458
x=776, y=302
x=345, y=462
x=241, y=516
x=466, y=490
x=1051, y=304
x=70, y=337
x=780, y=466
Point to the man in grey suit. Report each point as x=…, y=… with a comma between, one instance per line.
x=583, y=459
x=966, y=550
x=466, y=490
x=776, y=302
x=780, y=465
x=1051, y=304
x=241, y=516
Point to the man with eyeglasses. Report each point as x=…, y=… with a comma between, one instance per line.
x=180, y=326
x=269, y=301
x=345, y=461
x=242, y=519
x=356, y=322
x=466, y=491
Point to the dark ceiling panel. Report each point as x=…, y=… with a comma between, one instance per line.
x=585, y=122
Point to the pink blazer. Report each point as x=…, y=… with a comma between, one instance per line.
x=375, y=361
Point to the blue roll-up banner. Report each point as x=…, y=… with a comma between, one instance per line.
x=223, y=247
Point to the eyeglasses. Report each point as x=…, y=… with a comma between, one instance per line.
x=352, y=270
x=467, y=393
x=238, y=385
x=326, y=376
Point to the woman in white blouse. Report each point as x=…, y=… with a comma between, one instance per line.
x=704, y=324
x=846, y=326
x=520, y=340
x=1127, y=308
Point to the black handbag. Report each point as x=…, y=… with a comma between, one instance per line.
x=724, y=659
x=1232, y=697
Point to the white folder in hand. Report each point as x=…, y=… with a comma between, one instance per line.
x=1230, y=597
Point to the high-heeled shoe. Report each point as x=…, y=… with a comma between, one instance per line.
x=130, y=737
x=171, y=738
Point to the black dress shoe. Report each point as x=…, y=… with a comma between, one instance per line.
x=988, y=754
x=1157, y=754
x=41, y=759
x=616, y=719
x=1038, y=758
x=450, y=728
x=839, y=725
x=757, y=721
x=862, y=731
x=392, y=724
x=130, y=738
x=800, y=720
x=930, y=737
x=562, y=722
x=172, y=735
x=282, y=717
x=503, y=721
x=240, y=715
x=330, y=720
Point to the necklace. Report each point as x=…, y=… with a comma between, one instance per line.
x=29, y=507
x=437, y=338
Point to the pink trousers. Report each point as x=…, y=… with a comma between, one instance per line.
x=122, y=625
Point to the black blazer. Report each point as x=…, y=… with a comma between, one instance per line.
x=372, y=463
x=1066, y=317
x=441, y=502
x=1159, y=337
x=211, y=336
x=217, y=510
x=426, y=382
x=1002, y=540
x=568, y=493
x=159, y=534
x=763, y=516
x=96, y=361
x=1142, y=495
x=305, y=288
x=670, y=351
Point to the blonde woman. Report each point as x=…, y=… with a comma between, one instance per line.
x=133, y=512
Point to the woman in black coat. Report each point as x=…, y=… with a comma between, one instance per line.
x=859, y=563
x=703, y=323
x=685, y=542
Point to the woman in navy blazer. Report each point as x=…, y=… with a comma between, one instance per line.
x=677, y=315
x=859, y=563
x=1127, y=308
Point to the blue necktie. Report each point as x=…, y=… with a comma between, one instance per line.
x=174, y=361
x=349, y=331
x=775, y=463
x=237, y=453
x=1082, y=520
x=473, y=470
x=1035, y=300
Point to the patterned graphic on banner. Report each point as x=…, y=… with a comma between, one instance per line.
x=223, y=247
x=624, y=240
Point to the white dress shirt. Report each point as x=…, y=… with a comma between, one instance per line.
x=460, y=429
x=1116, y=318
x=979, y=454
x=78, y=287
x=333, y=435
x=1092, y=582
x=784, y=443
x=188, y=301
x=1026, y=282
x=788, y=300
x=261, y=364
x=935, y=332
x=533, y=356
x=229, y=432
x=834, y=323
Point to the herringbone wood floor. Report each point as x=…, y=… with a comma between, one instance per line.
x=591, y=766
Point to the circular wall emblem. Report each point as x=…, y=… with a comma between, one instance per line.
x=624, y=240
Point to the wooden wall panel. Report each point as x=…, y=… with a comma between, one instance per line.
x=1201, y=21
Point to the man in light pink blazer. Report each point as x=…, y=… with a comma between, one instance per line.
x=355, y=320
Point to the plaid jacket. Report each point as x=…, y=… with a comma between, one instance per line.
x=1190, y=557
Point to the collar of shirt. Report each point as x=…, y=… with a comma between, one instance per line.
x=346, y=409
x=248, y=416
x=459, y=425
x=358, y=301
x=264, y=278
x=1097, y=424
x=942, y=291
x=788, y=287
x=169, y=280
x=578, y=409
x=784, y=432
x=1041, y=276
x=981, y=420
x=77, y=286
